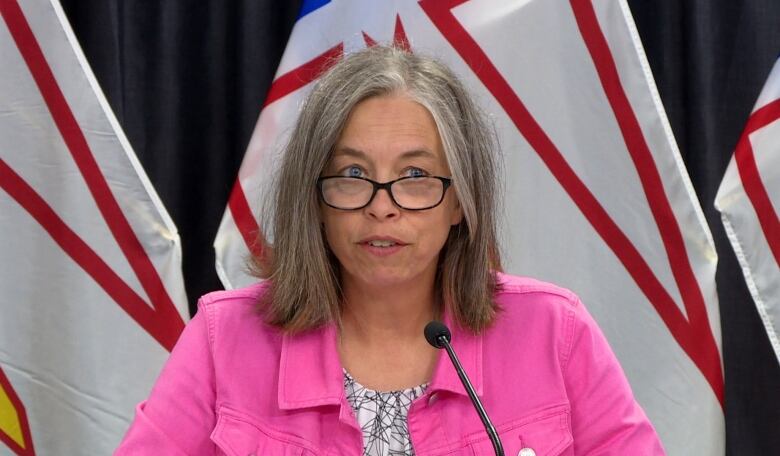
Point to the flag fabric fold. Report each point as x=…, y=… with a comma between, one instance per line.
x=589, y=158
x=748, y=198
x=93, y=296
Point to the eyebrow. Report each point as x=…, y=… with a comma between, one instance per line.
x=414, y=153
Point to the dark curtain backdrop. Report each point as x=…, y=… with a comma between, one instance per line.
x=187, y=79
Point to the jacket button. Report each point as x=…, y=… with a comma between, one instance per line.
x=527, y=452
x=433, y=398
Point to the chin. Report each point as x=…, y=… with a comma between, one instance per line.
x=385, y=278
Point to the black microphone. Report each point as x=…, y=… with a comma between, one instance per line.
x=438, y=335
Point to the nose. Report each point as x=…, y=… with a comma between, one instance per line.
x=382, y=206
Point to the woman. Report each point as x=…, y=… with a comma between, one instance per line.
x=385, y=220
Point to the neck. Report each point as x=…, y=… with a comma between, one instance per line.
x=381, y=339
x=401, y=312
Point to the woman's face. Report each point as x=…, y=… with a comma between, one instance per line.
x=385, y=138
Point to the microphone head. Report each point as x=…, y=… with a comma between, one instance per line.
x=434, y=330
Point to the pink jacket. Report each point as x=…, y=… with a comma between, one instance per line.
x=549, y=381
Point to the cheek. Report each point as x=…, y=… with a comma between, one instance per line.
x=335, y=230
x=330, y=231
x=444, y=234
x=436, y=231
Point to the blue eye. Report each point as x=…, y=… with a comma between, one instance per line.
x=353, y=171
x=416, y=172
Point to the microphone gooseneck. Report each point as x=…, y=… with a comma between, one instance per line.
x=438, y=335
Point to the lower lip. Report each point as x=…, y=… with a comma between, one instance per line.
x=382, y=251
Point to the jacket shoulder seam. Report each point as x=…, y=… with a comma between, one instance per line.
x=568, y=295
x=216, y=297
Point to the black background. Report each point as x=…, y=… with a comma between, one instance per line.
x=186, y=80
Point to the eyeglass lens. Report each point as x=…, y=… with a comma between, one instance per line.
x=411, y=193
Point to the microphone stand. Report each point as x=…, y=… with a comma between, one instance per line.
x=441, y=339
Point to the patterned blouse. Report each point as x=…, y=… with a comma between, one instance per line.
x=382, y=417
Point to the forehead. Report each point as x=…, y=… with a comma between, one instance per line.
x=390, y=124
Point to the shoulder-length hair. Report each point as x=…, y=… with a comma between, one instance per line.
x=305, y=289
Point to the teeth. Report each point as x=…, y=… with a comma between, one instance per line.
x=381, y=243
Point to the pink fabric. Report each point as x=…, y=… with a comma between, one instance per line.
x=548, y=379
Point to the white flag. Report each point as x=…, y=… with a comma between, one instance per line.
x=92, y=291
x=597, y=198
x=748, y=198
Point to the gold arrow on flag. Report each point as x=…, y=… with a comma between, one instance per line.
x=14, y=429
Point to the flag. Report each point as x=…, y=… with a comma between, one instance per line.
x=589, y=157
x=748, y=198
x=93, y=296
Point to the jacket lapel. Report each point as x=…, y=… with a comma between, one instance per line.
x=310, y=373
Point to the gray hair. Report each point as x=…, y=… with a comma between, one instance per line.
x=305, y=287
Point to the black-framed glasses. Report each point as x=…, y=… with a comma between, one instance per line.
x=411, y=193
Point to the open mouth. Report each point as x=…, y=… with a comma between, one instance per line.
x=383, y=246
x=382, y=243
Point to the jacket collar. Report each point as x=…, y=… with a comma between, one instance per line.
x=310, y=372
x=468, y=348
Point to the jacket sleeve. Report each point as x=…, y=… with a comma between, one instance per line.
x=178, y=417
x=605, y=417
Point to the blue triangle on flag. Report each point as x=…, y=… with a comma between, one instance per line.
x=311, y=5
